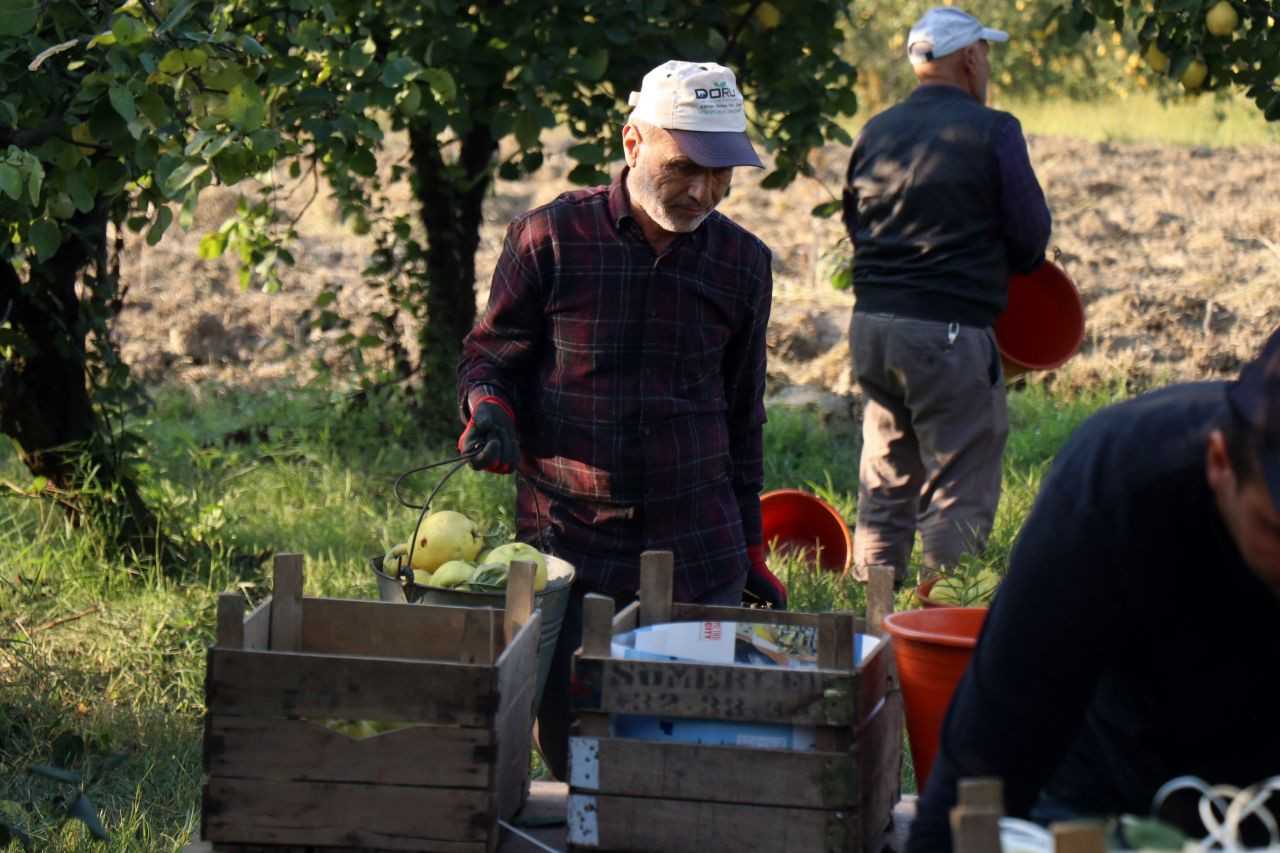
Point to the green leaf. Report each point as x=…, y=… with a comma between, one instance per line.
x=122, y=100
x=250, y=45
x=396, y=71
x=776, y=180
x=212, y=245
x=18, y=17
x=184, y=174
x=38, y=484
x=180, y=11
x=1149, y=833
x=57, y=774
x=128, y=30
x=164, y=218
x=592, y=65
x=46, y=237
x=35, y=179
x=587, y=153
x=10, y=181
x=83, y=810
x=245, y=107
x=442, y=85
x=827, y=209
x=585, y=175
x=325, y=297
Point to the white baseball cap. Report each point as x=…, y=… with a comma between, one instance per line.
x=944, y=30
x=698, y=103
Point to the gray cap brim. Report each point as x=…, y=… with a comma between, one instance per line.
x=717, y=149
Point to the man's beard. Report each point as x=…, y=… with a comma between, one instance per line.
x=643, y=195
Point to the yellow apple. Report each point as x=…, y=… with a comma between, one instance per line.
x=1222, y=19
x=768, y=16
x=1157, y=58
x=443, y=536
x=451, y=573
x=505, y=554
x=1193, y=77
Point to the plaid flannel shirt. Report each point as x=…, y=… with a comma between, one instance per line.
x=637, y=383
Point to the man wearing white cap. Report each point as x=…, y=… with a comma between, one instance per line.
x=620, y=367
x=941, y=205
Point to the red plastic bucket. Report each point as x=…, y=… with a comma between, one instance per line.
x=932, y=648
x=805, y=522
x=1043, y=325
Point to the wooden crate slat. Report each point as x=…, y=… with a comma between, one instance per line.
x=269, y=683
x=725, y=774
x=515, y=738
x=257, y=626
x=876, y=678
x=715, y=691
x=322, y=813
x=645, y=825
x=389, y=629
x=879, y=753
x=286, y=603
x=517, y=684
x=297, y=750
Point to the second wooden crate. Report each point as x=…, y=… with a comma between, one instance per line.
x=657, y=795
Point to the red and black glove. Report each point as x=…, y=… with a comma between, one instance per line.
x=762, y=587
x=492, y=428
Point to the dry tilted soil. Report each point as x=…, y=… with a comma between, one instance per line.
x=1176, y=252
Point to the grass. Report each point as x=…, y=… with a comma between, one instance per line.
x=114, y=651
x=1206, y=120
x=1213, y=120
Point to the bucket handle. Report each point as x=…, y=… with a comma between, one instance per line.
x=404, y=571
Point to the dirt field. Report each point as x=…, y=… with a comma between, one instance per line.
x=1176, y=252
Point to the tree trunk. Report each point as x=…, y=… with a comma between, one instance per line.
x=451, y=213
x=45, y=403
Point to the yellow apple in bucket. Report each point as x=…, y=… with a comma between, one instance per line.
x=512, y=551
x=451, y=574
x=443, y=536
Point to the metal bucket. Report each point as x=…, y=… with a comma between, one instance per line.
x=552, y=601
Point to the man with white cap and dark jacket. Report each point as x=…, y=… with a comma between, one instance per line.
x=941, y=205
x=620, y=366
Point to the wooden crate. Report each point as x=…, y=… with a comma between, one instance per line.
x=463, y=677
x=642, y=795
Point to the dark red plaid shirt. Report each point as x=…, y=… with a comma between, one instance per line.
x=637, y=383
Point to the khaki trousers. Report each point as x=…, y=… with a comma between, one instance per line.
x=933, y=433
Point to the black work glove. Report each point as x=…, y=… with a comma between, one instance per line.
x=763, y=589
x=492, y=428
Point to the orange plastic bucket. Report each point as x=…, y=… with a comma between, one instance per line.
x=1043, y=325
x=932, y=649
x=805, y=522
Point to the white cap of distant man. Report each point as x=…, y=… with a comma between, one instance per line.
x=944, y=30
x=698, y=103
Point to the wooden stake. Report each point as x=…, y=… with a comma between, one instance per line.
x=982, y=792
x=1077, y=836
x=286, y=603
x=230, y=631
x=657, y=572
x=879, y=598
x=597, y=625
x=519, y=597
